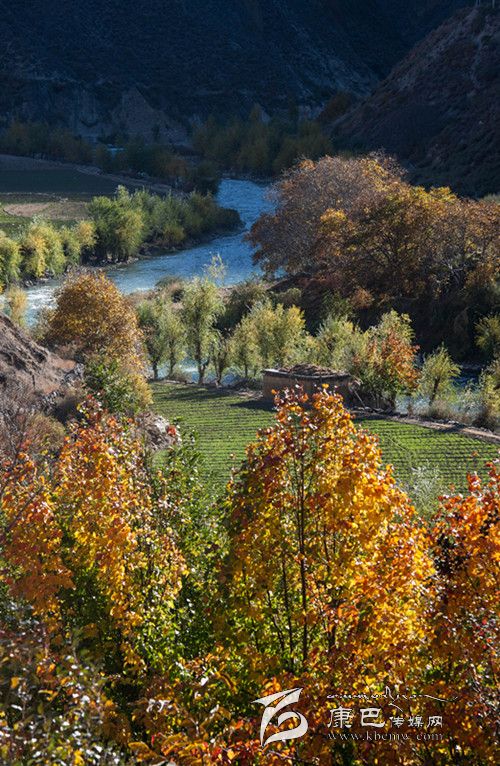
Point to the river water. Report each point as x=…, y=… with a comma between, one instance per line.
x=248, y=198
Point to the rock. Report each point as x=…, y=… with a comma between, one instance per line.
x=30, y=371
x=160, y=434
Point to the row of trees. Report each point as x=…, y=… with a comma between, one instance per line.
x=124, y=223
x=357, y=227
x=44, y=249
x=259, y=147
x=32, y=139
x=246, y=330
x=117, y=229
x=140, y=619
x=253, y=329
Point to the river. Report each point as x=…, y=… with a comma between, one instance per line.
x=248, y=198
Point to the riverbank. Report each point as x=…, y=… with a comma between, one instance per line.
x=246, y=197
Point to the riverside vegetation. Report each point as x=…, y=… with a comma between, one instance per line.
x=117, y=229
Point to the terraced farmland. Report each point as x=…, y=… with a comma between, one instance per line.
x=224, y=423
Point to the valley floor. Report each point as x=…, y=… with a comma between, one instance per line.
x=225, y=422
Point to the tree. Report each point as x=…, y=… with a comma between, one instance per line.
x=221, y=354
x=16, y=302
x=41, y=250
x=92, y=315
x=10, y=261
x=152, y=323
x=465, y=616
x=341, y=344
x=279, y=333
x=163, y=331
x=357, y=227
x=245, y=351
x=302, y=520
x=488, y=336
x=390, y=365
x=437, y=374
x=201, y=307
x=119, y=226
x=87, y=544
x=489, y=397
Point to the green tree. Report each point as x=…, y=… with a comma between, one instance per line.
x=488, y=336
x=245, y=351
x=119, y=226
x=42, y=250
x=279, y=332
x=163, y=331
x=436, y=377
x=340, y=343
x=10, y=261
x=202, y=305
x=221, y=354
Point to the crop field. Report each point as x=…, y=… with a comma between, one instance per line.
x=55, y=193
x=224, y=423
x=59, y=181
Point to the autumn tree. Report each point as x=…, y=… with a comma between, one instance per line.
x=390, y=366
x=92, y=315
x=316, y=520
x=87, y=543
x=359, y=227
x=94, y=319
x=464, y=661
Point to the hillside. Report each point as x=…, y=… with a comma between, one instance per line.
x=27, y=370
x=106, y=65
x=439, y=108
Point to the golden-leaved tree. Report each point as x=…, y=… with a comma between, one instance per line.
x=464, y=661
x=325, y=585
x=87, y=542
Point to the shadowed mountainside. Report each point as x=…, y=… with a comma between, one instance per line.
x=439, y=109
x=107, y=65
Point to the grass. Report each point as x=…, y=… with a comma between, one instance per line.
x=224, y=423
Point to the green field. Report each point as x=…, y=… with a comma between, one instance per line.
x=60, y=181
x=224, y=423
x=57, y=194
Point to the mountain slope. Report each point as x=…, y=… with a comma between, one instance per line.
x=123, y=65
x=439, y=109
